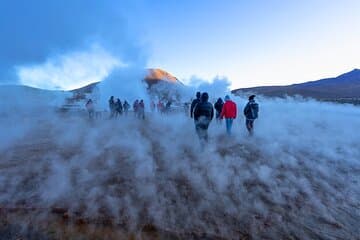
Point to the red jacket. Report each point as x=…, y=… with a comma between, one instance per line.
x=228, y=110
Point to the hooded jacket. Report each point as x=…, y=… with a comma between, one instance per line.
x=229, y=110
x=204, y=109
x=219, y=105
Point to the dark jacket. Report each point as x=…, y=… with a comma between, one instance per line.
x=118, y=106
x=193, y=104
x=218, y=106
x=126, y=106
x=112, y=104
x=251, y=110
x=204, y=110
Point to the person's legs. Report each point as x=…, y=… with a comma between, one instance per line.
x=249, y=126
x=205, y=133
x=201, y=130
x=252, y=126
x=229, y=122
x=198, y=130
x=217, y=117
x=143, y=114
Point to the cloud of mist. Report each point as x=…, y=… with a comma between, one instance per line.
x=298, y=175
x=217, y=87
x=127, y=83
x=124, y=83
x=70, y=71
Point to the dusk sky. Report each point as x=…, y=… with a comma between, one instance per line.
x=268, y=42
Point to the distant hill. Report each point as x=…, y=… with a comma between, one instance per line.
x=345, y=86
x=22, y=98
x=20, y=94
x=154, y=75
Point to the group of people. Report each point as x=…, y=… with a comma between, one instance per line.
x=203, y=112
x=161, y=107
x=117, y=108
x=139, y=108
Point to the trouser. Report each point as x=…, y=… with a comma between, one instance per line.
x=201, y=130
x=112, y=113
x=141, y=113
x=250, y=125
x=218, y=119
x=229, y=122
x=118, y=112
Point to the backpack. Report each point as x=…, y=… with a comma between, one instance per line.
x=254, y=107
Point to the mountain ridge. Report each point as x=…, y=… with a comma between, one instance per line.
x=346, y=85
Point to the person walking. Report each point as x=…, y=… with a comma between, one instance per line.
x=118, y=108
x=251, y=111
x=229, y=111
x=141, y=109
x=203, y=114
x=160, y=106
x=152, y=106
x=112, y=106
x=90, y=108
x=218, y=108
x=194, y=103
x=136, y=107
x=126, y=107
x=168, y=106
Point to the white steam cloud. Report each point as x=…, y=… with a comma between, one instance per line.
x=70, y=71
x=217, y=87
x=298, y=176
x=124, y=83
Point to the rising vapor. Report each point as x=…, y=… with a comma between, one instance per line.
x=298, y=176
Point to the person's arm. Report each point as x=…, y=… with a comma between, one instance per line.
x=212, y=112
x=246, y=109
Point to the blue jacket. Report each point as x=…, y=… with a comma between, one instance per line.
x=251, y=110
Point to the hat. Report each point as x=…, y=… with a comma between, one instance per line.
x=252, y=97
x=227, y=97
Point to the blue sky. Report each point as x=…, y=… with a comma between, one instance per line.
x=249, y=42
x=256, y=42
